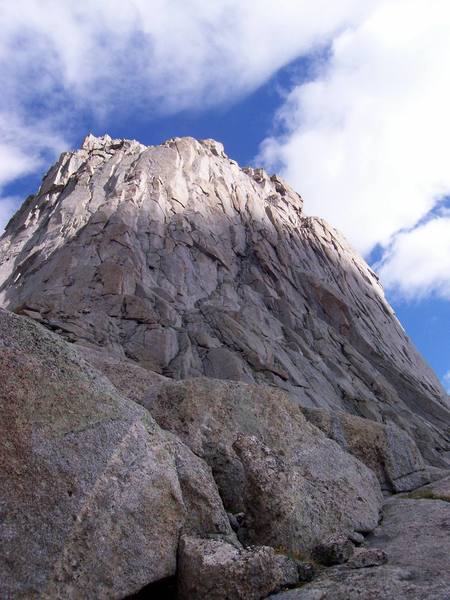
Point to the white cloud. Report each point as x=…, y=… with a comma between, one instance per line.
x=417, y=263
x=185, y=51
x=22, y=145
x=366, y=142
x=23, y=150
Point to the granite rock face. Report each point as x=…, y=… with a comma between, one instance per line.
x=295, y=486
x=175, y=258
x=94, y=495
x=414, y=538
x=386, y=449
x=217, y=570
x=235, y=394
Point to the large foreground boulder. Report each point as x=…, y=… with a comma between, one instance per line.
x=93, y=494
x=293, y=484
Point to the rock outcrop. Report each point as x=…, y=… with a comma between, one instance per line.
x=414, y=539
x=222, y=397
x=178, y=259
x=95, y=495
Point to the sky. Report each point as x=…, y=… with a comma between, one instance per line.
x=348, y=101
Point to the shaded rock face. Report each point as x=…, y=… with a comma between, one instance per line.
x=174, y=257
x=94, y=495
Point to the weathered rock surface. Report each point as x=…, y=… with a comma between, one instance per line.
x=93, y=494
x=295, y=486
x=367, y=557
x=178, y=259
x=438, y=490
x=388, y=450
x=415, y=535
x=135, y=382
x=334, y=551
x=172, y=263
x=216, y=570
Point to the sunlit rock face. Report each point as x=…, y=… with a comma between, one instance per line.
x=178, y=259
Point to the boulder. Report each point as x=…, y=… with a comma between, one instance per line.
x=334, y=551
x=216, y=570
x=294, y=485
x=388, y=450
x=94, y=495
x=204, y=511
x=367, y=557
x=284, y=509
x=414, y=535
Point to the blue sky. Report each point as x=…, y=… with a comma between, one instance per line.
x=348, y=102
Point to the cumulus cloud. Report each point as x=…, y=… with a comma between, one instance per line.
x=184, y=51
x=23, y=145
x=24, y=148
x=417, y=263
x=366, y=140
